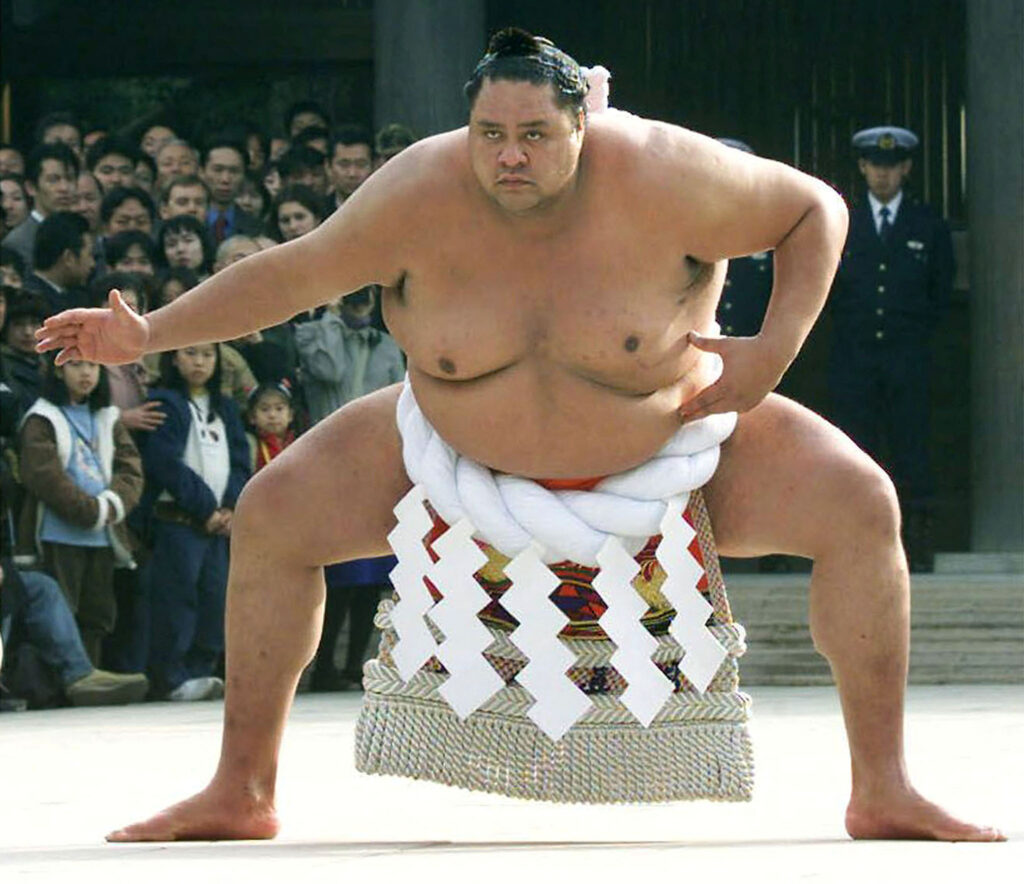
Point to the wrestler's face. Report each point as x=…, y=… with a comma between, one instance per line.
x=524, y=148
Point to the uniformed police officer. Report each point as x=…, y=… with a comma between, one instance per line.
x=748, y=284
x=892, y=286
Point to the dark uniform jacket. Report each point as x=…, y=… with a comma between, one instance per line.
x=896, y=290
x=748, y=286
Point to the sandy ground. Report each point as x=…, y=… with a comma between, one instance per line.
x=68, y=776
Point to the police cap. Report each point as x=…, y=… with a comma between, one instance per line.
x=884, y=145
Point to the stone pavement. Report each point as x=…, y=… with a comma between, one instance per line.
x=68, y=776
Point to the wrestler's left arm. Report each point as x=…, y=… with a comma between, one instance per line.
x=749, y=204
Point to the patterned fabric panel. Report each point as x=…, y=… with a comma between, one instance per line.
x=576, y=597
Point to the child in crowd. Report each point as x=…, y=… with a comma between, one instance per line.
x=82, y=476
x=22, y=366
x=196, y=463
x=125, y=650
x=270, y=416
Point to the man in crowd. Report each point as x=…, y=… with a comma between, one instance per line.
x=223, y=168
x=11, y=160
x=303, y=114
x=61, y=127
x=304, y=165
x=175, y=159
x=893, y=286
x=51, y=176
x=88, y=199
x=350, y=161
x=390, y=141
x=315, y=137
x=127, y=208
x=550, y=277
x=185, y=195
x=63, y=259
x=112, y=161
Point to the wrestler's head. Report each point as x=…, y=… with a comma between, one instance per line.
x=526, y=120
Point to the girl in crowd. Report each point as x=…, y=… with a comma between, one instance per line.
x=296, y=211
x=271, y=416
x=184, y=241
x=14, y=200
x=125, y=650
x=82, y=476
x=196, y=463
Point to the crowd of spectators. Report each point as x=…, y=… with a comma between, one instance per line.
x=119, y=483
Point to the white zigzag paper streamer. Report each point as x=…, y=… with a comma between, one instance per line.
x=472, y=680
x=415, y=643
x=559, y=703
x=704, y=653
x=648, y=688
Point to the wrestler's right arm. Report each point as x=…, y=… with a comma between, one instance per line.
x=356, y=246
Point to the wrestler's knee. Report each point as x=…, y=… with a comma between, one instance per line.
x=264, y=508
x=866, y=509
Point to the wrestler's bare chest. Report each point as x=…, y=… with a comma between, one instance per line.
x=559, y=355
x=604, y=302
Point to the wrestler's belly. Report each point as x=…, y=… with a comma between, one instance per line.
x=544, y=422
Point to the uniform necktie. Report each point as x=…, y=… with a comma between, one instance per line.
x=885, y=228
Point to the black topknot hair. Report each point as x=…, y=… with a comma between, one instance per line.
x=516, y=54
x=516, y=41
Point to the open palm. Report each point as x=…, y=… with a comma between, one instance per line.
x=113, y=335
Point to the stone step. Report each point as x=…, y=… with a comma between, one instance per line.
x=965, y=628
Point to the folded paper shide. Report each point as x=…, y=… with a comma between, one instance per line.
x=564, y=645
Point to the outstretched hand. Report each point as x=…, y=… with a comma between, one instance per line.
x=751, y=369
x=113, y=335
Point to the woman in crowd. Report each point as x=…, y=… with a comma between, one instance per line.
x=184, y=241
x=253, y=197
x=82, y=476
x=296, y=211
x=14, y=200
x=196, y=463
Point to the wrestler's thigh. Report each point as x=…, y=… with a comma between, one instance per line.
x=788, y=481
x=329, y=496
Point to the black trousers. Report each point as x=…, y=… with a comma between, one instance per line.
x=880, y=397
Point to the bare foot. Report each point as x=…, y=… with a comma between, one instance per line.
x=208, y=816
x=904, y=814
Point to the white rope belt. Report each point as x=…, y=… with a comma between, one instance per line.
x=510, y=512
x=535, y=527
